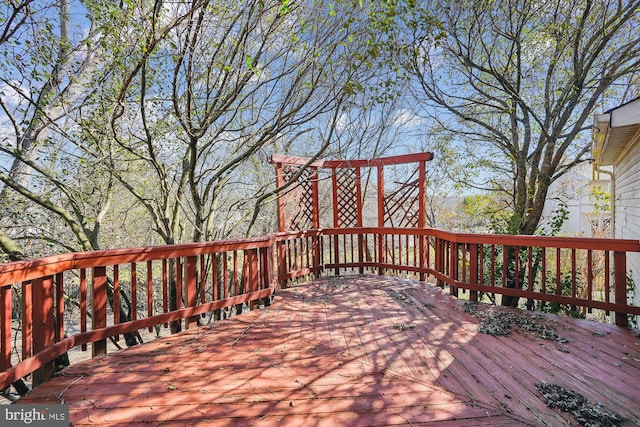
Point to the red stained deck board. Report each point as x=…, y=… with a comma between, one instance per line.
x=333, y=352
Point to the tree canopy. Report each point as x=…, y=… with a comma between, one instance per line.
x=515, y=84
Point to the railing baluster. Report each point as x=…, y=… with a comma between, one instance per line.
x=214, y=277
x=165, y=289
x=473, y=270
x=5, y=327
x=27, y=319
x=493, y=265
x=453, y=289
x=225, y=275
x=99, y=305
x=558, y=275
x=530, y=269
x=481, y=264
x=179, y=282
x=253, y=276
x=191, y=288
x=116, y=294
x=607, y=277
x=203, y=279
x=505, y=266
x=235, y=273
x=573, y=273
x=83, y=303
x=589, y=277
x=134, y=292
x=59, y=306
x=150, y=291
x=543, y=278
x=516, y=266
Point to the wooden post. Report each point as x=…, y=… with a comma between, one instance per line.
x=336, y=220
x=382, y=239
x=59, y=307
x=453, y=268
x=83, y=303
x=620, y=285
x=315, y=241
x=281, y=248
x=27, y=319
x=43, y=325
x=473, y=270
x=5, y=328
x=281, y=205
x=422, y=217
x=191, y=288
x=359, y=220
x=99, y=312
x=150, y=291
x=253, y=276
x=439, y=260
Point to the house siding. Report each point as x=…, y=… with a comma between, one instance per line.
x=627, y=210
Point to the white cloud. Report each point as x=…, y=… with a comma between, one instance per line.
x=408, y=119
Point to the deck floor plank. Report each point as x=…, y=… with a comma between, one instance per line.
x=353, y=350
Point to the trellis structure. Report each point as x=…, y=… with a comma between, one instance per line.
x=397, y=204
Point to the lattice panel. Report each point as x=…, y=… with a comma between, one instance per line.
x=401, y=206
x=298, y=201
x=347, y=203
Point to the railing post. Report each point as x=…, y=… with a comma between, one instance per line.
x=422, y=254
x=620, y=285
x=317, y=267
x=336, y=253
x=43, y=325
x=27, y=319
x=192, y=285
x=99, y=312
x=5, y=329
x=361, y=253
x=382, y=253
x=282, y=261
x=439, y=260
x=455, y=258
x=473, y=271
x=382, y=238
x=266, y=270
x=252, y=275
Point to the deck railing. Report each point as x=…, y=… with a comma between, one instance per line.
x=38, y=296
x=575, y=275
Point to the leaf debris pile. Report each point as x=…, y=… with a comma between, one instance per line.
x=403, y=326
x=502, y=322
x=586, y=413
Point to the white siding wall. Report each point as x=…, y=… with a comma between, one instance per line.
x=627, y=206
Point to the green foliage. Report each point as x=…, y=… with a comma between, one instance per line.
x=601, y=199
x=566, y=290
x=560, y=215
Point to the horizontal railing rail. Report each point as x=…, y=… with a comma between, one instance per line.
x=566, y=274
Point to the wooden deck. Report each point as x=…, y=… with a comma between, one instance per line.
x=359, y=350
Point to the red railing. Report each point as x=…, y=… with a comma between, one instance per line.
x=578, y=273
x=574, y=274
x=206, y=277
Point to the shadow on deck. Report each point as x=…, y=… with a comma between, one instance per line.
x=358, y=350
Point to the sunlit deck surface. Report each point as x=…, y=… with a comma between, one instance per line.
x=354, y=350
